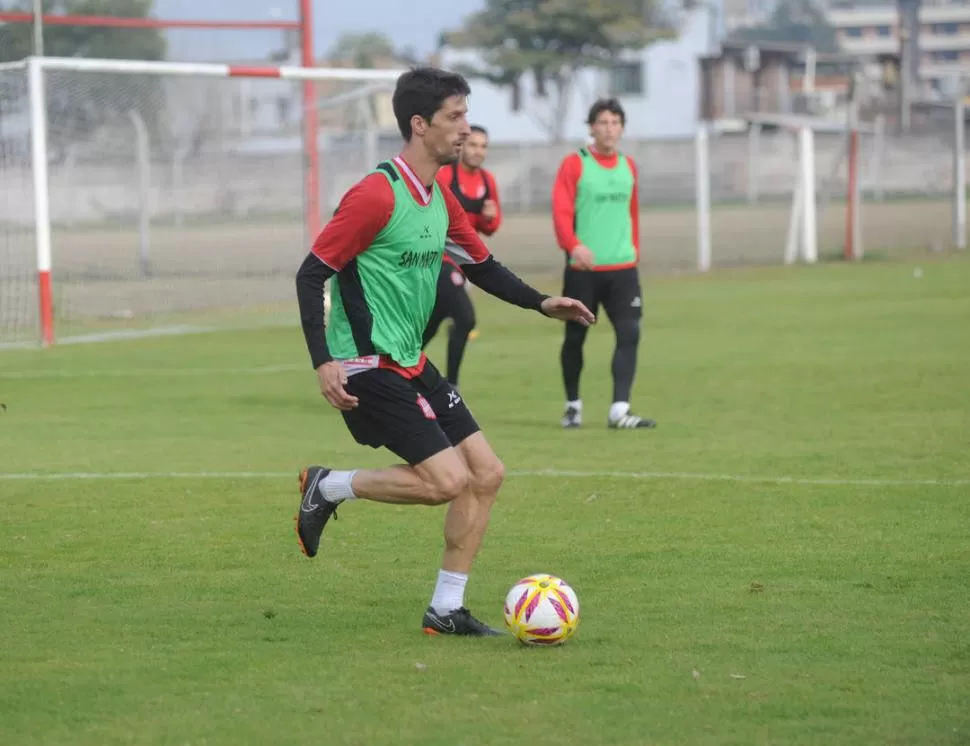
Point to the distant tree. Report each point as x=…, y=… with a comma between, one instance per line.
x=363, y=50
x=550, y=40
x=794, y=21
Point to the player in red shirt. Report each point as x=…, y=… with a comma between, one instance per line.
x=596, y=216
x=477, y=193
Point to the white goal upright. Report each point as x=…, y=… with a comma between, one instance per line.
x=139, y=191
x=801, y=242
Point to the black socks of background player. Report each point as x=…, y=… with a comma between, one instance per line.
x=625, y=358
x=571, y=358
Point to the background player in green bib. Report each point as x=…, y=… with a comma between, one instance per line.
x=596, y=215
x=384, y=248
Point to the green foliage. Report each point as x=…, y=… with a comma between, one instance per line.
x=551, y=39
x=363, y=50
x=794, y=21
x=718, y=609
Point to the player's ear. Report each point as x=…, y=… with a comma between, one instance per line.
x=419, y=126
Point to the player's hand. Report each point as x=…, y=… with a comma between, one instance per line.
x=333, y=378
x=568, y=309
x=490, y=209
x=582, y=258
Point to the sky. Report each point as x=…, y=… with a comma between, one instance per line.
x=411, y=23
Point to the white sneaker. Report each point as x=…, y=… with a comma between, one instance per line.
x=573, y=417
x=629, y=421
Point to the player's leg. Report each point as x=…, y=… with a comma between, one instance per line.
x=390, y=413
x=463, y=321
x=468, y=514
x=582, y=287
x=623, y=304
x=395, y=413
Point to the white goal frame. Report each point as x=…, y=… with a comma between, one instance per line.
x=801, y=242
x=802, y=239
x=37, y=67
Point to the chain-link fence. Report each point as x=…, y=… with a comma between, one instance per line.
x=171, y=194
x=907, y=187
x=18, y=254
x=184, y=195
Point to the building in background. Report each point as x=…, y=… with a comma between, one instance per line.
x=869, y=27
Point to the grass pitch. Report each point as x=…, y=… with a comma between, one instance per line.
x=784, y=560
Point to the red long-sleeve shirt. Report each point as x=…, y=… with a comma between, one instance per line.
x=564, y=201
x=365, y=210
x=472, y=184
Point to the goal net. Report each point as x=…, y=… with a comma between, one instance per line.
x=175, y=196
x=18, y=255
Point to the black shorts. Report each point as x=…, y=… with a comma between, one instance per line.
x=413, y=418
x=617, y=290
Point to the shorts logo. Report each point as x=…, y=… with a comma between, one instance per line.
x=457, y=278
x=453, y=399
x=636, y=302
x=426, y=408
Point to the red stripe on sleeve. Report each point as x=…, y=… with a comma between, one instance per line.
x=486, y=226
x=461, y=231
x=564, y=201
x=635, y=206
x=360, y=216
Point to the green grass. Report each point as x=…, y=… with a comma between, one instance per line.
x=715, y=611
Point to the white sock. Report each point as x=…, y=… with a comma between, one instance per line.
x=577, y=405
x=619, y=409
x=449, y=593
x=337, y=486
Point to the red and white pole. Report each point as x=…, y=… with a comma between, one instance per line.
x=311, y=150
x=37, y=68
x=42, y=224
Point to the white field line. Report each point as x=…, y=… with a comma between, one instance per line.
x=115, y=336
x=152, y=372
x=550, y=473
x=122, y=335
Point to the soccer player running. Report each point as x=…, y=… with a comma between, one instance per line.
x=475, y=189
x=383, y=248
x=596, y=217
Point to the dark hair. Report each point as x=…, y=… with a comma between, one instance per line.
x=421, y=91
x=478, y=128
x=606, y=104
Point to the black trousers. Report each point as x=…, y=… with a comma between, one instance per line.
x=453, y=303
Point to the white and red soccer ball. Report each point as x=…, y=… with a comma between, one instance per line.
x=542, y=610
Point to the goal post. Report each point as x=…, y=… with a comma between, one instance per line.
x=75, y=104
x=802, y=236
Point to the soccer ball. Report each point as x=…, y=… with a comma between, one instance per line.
x=542, y=610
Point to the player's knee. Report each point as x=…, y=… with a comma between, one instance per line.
x=628, y=332
x=464, y=322
x=448, y=485
x=487, y=479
